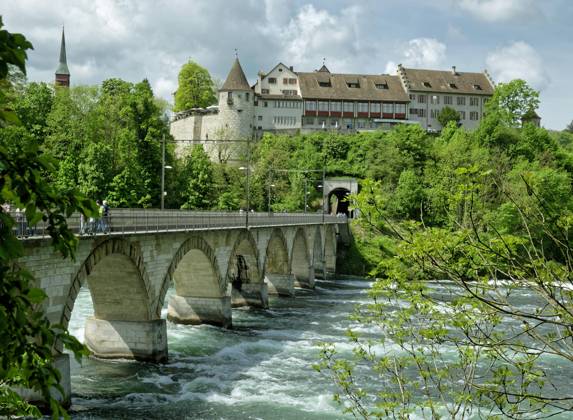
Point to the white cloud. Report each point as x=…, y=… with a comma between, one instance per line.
x=420, y=52
x=500, y=10
x=518, y=60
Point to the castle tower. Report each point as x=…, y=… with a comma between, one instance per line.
x=236, y=104
x=62, y=72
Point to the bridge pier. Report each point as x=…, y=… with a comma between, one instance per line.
x=304, y=280
x=251, y=294
x=280, y=284
x=139, y=340
x=200, y=310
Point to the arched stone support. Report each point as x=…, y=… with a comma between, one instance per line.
x=301, y=267
x=330, y=244
x=248, y=287
x=276, y=266
x=201, y=293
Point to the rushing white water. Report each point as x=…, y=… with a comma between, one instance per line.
x=262, y=368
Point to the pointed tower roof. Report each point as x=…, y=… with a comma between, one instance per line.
x=63, y=65
x=236, y=79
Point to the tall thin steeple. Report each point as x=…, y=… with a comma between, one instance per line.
x=62, y=72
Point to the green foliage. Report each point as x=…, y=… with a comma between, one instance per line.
x=511, y=101
x=196, y=88
x=198, y=177
x=448, y=115
x=27, y=339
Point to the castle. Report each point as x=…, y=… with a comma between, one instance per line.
x=285, y=101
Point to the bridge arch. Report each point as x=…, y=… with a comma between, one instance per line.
x=200, y=290
x=124, y=324
x=276, y=265
x=243, y=274
x=118, y=283
x=300, y=263
x=317, y=250
x=330, y=243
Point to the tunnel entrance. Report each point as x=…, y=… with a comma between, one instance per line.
x=338, y=202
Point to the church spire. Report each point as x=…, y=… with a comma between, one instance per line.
x=62, y=72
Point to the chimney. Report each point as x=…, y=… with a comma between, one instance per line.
x=454, y=70
x=291, y=68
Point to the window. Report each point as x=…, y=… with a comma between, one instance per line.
x=348, y=123
x=292, y=81
x=348, y=106
x=247, y=96
x=412, y=97
x=335, y=106
x=289, y=92
x=382, y=85
x=265, y=104
x=362, y=106
x=461, y=100
x=272, y=80
x=310, y=105
x=334, y=122
x=308, y=120
x=474, y=115
x=422, y=99
x=474, y=101
x=322, y=123
x=453, y=86
x=427, y=84
x=375, y=107
x=400, y=108
x=477, y=87
x=387, y=108
x=421, y=112
x=265, y=91
x=260, y=118
x=353, y=84
x=285, y=81
x=434, y=113
x=325, y=84
x=462, y=115
x=413, y=111
x=435, y=100
x=448, y=100
x=230, y=98
x=323, y=106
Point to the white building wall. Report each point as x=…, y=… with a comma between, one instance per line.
x=278, y=114
x=279, y=74
x=433, y=103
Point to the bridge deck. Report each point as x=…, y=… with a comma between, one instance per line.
x=140, y=221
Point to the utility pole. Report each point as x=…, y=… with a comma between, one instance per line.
x=305, y=194
x=163, y=172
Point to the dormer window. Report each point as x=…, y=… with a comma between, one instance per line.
x=477, y=87
x=353, y=84
x=453, y=86
x=325, y=84
x=265, y=91
x=382, y=86
x=427, y=84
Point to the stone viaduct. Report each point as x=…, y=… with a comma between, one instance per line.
x=212, y=268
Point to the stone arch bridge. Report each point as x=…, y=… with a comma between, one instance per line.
x=215, y=261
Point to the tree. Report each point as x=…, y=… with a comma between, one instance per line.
x=198, y=178
x=27, y=339
x=448, y=115
x=511, y=101
x=196, y=88
x=569, y=127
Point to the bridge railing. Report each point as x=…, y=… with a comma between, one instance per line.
x=126, y=221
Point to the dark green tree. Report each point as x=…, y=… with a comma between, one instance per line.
x=448, y=115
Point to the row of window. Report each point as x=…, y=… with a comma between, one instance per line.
x=375, y=107
x=343, y=123
x=448, y=100
x=422, y=113
x=284, y=120
x=286, y=81
x=287, y=104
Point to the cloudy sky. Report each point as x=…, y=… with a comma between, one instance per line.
x=136, y=39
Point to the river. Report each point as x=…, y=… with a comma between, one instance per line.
x=260, y=369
